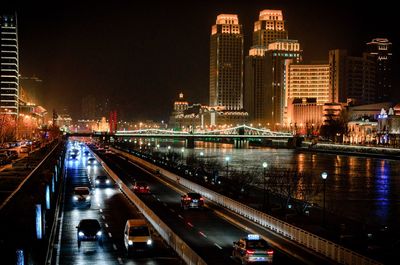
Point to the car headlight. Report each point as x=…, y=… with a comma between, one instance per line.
x=75, y=198
x=98, y=233
x=81, y=234
x=97, y=181
x=130, y=242
x=108, y=181
x=149, y=242
x=88, y=198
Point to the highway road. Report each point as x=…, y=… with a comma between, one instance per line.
x=112, y=210
x=203, y=230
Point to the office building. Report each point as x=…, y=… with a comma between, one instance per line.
x=226, y=63
x=380, y=50
x=9, y=78
x=269, y=28
x=352, y=79
x=33, y=87
x=279, y=54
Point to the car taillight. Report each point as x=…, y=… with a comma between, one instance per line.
x=270, y=252
x=201, y=199
x=188, y=198
x=147, y=187
x=249, y=252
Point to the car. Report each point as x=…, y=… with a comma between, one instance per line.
x=137, y=236
x=91, y=161
x=86, y=153
x=89, y=230
x=12, y=154
x=82, y=197
x=25, y=149
x=252, y=249
x=192, y=200
x=73, y=156
x=141, y=187
x=108, y=151
x=4, y=159
x=102, y=181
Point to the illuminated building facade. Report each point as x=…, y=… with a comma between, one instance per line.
x=308, y=81
x=269, y=28
x=352, y=78
x=279, y=54
x=9, y=78
x=305, y=112
x=380, y=50
x=255, y=86
x=226, y=63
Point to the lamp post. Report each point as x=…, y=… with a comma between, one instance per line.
x=324, y=176
x=265, y=165
x=227, y=158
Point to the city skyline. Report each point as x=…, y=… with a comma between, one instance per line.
x=135, y=64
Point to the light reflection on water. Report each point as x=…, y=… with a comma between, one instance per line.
x=360, y=187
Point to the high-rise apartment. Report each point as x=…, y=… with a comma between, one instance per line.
x=269, y=28
x=380, y=50
x=9, y=81
x=226, y=63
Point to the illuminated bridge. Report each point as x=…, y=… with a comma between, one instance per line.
x=239, y=135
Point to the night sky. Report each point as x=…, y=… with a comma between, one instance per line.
x=140, y=55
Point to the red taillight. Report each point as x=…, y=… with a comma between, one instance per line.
x=147, y=187
x=188, y=198
x=201, y=199
x=249, y=252
x=270, y=252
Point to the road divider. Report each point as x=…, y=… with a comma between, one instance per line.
x=313, y=242
x=174, y=241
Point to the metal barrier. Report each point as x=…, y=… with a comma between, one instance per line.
x=173, y=240
x=320, y=245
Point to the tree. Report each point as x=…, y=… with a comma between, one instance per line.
x=7, y=128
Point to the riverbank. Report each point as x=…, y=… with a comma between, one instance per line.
x=342, y=149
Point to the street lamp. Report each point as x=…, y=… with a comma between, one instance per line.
x=265, y=165
x=227, y=158
x=324, y=176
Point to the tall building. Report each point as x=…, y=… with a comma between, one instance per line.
x=308, y=81
x=255, y=85
x=380, y=50
x=352, y=79
x=226, y=63
x=269, y=28
x=9, y=81
x=279, y=54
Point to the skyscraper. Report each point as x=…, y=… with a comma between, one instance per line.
x=279, y=54
x=9, y=81
x=226, y=63
x=351, y=78
x=380, y=50
x=269, y=28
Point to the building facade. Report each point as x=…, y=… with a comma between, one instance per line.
x=380, y=49
x=279, y=54
x=269, y=27
x=9, y=78
x=352, y=79
x=226, y=63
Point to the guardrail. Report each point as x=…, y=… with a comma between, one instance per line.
x=318, y=244
x=27, y=178
x=173, y=240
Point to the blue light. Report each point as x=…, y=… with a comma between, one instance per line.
x=20, y=257
x=253, y=237
x=47, y=197
x=39, y=233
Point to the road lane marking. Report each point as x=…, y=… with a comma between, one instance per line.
x=106, y=225
x=172, y=210
x=190, y=224
x=104, y=218
x=201, y=233
x=218, y=246
x=115, y=247
x=164, y=204
x=109, y=234
x=98, y=204
x=101, y=210
x=180, y=216
x=120, y=260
